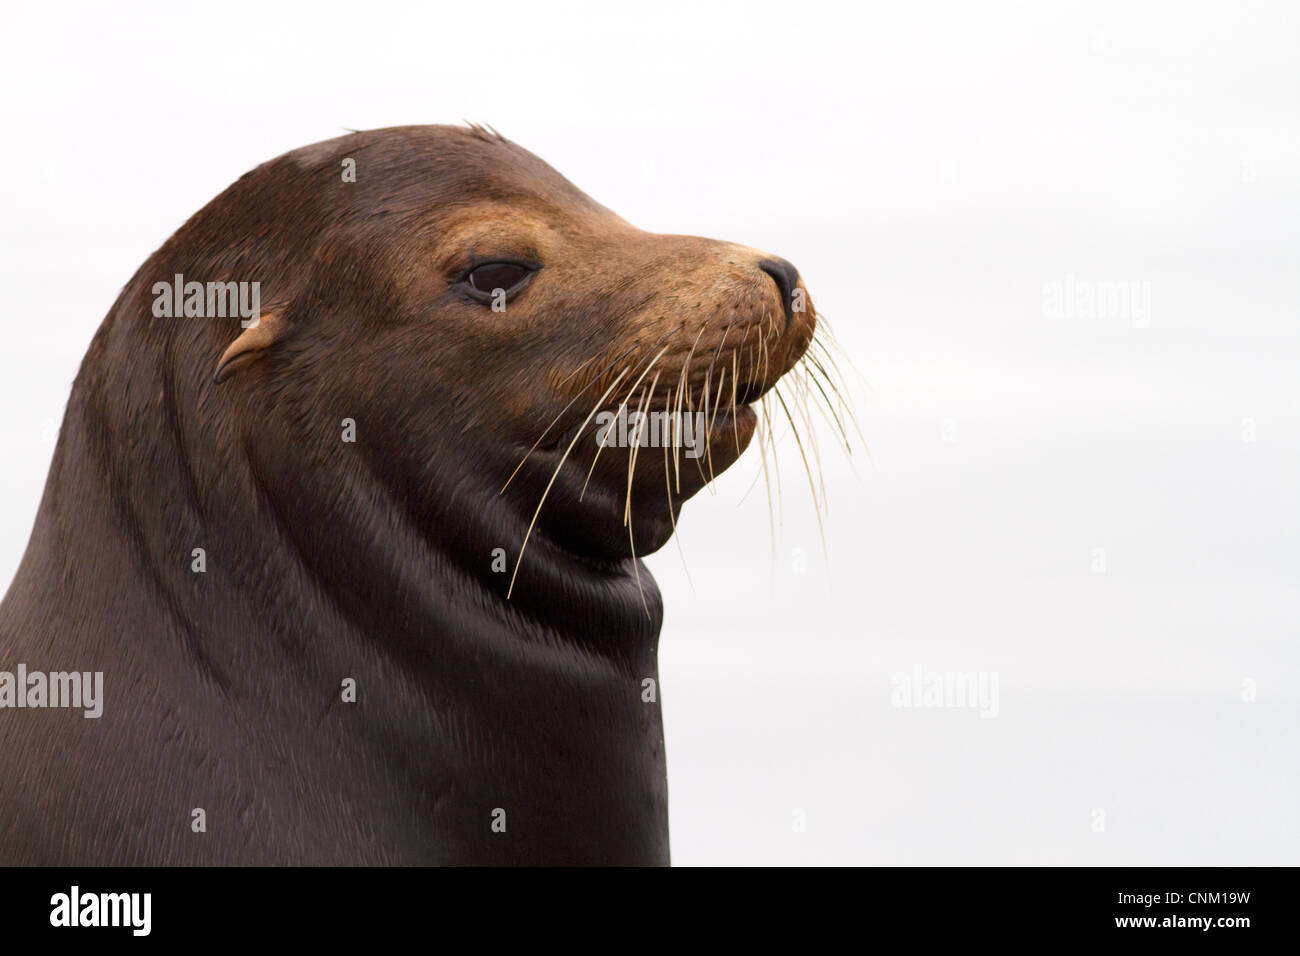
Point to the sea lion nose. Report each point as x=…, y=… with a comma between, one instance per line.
x=786, y=277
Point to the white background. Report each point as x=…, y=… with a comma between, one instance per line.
x=932, y=170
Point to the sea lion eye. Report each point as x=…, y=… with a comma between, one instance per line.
x=497, y=275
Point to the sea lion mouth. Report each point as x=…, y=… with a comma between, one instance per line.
x=749, y=392
x=724, y=406
x=725, y=413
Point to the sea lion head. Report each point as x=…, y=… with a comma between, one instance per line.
x=500, y=341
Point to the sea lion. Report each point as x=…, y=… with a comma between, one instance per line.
x=357, y=558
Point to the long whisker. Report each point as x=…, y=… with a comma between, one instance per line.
x=674, y=417
x=603, y=372
x=761, y=472
x=562, y=413
x=838, y=388
x=735, y=396
x=834, y=417
x=767, y=482
x=636, y=445
x=811, y=485
x=770, y=435
x=685, y=384
x=528, y=534
x=814, y=443
x=708, y=447
x=621, y=405
x=708, y=379
x=717, y=404
x=627, y=514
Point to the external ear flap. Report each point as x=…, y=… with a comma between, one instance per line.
x=250, y=344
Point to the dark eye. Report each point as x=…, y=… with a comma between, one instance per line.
x=497, y=275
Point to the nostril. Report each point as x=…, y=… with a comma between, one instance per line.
x=786, y=277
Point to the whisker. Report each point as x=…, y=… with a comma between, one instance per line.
x=767, y=481
x=621, y=405
x=717, y=405
x=675, y=418
x=800, y=400
x=708, y=378
x=528, y=534
x=776, y=469
x=811, y=486
x=685, y=381
x=735, y=396
x=627, y=513
x=830, y=408
x=566, y=408
x=636, y=445
x=839, y=389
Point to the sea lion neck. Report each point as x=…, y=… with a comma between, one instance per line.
x=314, y=579
x=422, y=529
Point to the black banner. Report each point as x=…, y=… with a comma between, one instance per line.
x=1151, y=906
